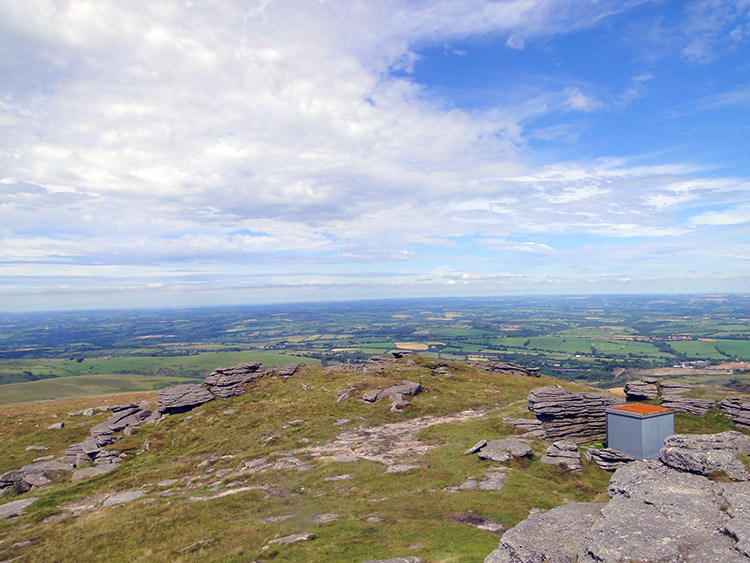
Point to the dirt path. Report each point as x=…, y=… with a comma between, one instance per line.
x=387, y=443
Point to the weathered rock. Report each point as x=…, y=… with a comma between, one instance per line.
x=182, y=398
x=56, y=426
x=345, y=393
x=398, y=402
x=608, y=459
x=289, y=369
x=563, y=453
x=675, y=388
x=641, y=390
x=122, y=498
x=706, y=454
x=555, y=536
x=294, y=538
x=504, y=450
x=408, y=388
x=396, y=560
x=476, y=447
x=568, y=415
x=509, y=368
x=737, y=409
x=15, y=507
x=232, y=381
x=532, y=426
x=492, y=481
x=325, y=518
x=690, y=405
x=401, y=468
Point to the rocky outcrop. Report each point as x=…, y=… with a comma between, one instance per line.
x=656, y=513
x=508, y=368
x=609, y=459
x=395, y=393
x=672, y=397
x=642, y=390
x=231, y=381
x=564, y=454
x=504, y=450
x=288, y=370
x=182, y=398
x=708, y=454
x=568, y=415
x=737, y=410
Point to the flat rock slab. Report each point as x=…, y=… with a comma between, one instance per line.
x=400, y=468
x=15, y=508
x=122, y=498
x=705, y=454
x=182, y=398
x=563, y=453
x=504, y=450
x=95, y=471
x=493, y=481
x=294, y=538
x=396, y=560
x=325, y=518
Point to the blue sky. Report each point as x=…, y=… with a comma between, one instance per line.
x=175, y=153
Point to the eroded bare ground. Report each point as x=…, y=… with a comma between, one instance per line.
x=387, y=443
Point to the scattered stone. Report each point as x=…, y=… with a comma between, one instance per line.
x=706, y=454
x=122, y=498
x=568, y=415
x=339, y=477
x=532, y=426
x=492, y=481
x=182, y=398
x=344, y=458
x=341, y=421
x=641, y=390
x=398, y=403
x=504, y=450
x=608, y=459
x=230, y=411
x=88, y=412
x=325, y=518
x=476, y=447
x=374, y=520
x=15, y=508
x=167, y=482
x=564, y=454
x=45, y=458
x=290, y=463
x=396, y=560
x=737, y=409
x=344, y=394
x=273, y=519
x=294, y=538
x=400, y=468
x=418, y=545
x=56, y=426
x=408, y=388
x=197, y=545
x=36, y=448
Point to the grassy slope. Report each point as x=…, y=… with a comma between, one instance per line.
x=413, y=506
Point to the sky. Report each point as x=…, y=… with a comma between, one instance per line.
x=178, y=153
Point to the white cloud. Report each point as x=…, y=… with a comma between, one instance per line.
x=516, y=42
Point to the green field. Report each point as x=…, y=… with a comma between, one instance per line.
x=83, y=385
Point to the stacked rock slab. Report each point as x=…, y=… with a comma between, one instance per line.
x=231, y=381
x=656, y=513
x=737, y=410
x=644, y=389
x=569, y=415
x=509, y=368
x=672, y=398
x=609, y=459
x=564, y=454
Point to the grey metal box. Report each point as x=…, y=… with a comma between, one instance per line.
x=639, y=430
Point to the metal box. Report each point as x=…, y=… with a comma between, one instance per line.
x=639, y=430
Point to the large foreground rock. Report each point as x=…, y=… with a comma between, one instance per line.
x=708, y=453
x=737, y=409
x=555, y=536
x=182, y=398
x=656, y=514
x=572, y=416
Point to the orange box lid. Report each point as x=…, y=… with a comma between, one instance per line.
x=640, y=408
